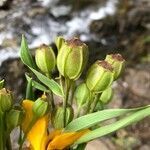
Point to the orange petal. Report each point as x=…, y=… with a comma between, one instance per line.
x=64, y=140
x=53, y=134
x=37, y=136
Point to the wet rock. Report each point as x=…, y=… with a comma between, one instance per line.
x=103, y=144
x=5, y=4
x=144, y=147
x=13, y=72
x=137, y=86
x=122, y=33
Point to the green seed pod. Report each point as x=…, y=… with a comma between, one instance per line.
x=59, y=42
x=58, y=117
x=40, y=107
x=72, y=58
x=82, y=94
x=118, y=63
x=13, y=119
x=45, y=59
x=99, y=76
x=106, y=96
x=5, y=100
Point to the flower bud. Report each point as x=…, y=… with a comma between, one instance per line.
x=106, y=96
x=13, y=119
x=58, y=117
x=5, y=100
x=118, y=63
x=72, y=58
x=40, y=107
x=45, y=58
x=82, y=94
x=99, y=76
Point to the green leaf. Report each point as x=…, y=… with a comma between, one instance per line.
x=50, y=83
x=90, y=120
x=2, y=84
x=133, y=118
x=25, y=54
x=37, y=85
x=27, y=60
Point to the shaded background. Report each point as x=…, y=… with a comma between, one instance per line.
x=107, y=26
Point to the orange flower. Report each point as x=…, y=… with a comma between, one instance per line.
x=38, y=136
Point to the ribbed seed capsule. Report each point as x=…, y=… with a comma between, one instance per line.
x=118, y=63
x=40, y=107
x=106, y=95
x=45, y=58
x=72, y=58
x=5, y=100
x=13, y=118
x=82, y=94
x=99, y=76
x=58, y=117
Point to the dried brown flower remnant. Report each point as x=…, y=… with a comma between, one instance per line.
x=74, y=42
x=105, y=65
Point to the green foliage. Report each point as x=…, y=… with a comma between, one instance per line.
x=132, y=118
x=28, y=60
x=95, y=90
x=71, y=59
x=36, y=84
x=92, y=119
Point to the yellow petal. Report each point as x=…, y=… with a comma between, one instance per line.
x=37, y=136
x=64, y=140
x=27, y=105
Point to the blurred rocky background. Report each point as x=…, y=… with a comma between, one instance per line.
x=107, y=26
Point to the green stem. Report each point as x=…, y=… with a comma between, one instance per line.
x=72, y=92
x=78, y=111
x=29, y=90
x=89, y=104
x=96, y=99
x=8, y=143
x=61, y=82
x=51, y=93
x=2, y=145
x=65, y=102
x=52, y=100
x=34, y=119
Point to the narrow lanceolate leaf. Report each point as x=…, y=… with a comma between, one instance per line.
x=28, y=60
x=37, y=85
x=90, y=120
x=25, y=54
x=133, y=118
x=50, y=83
